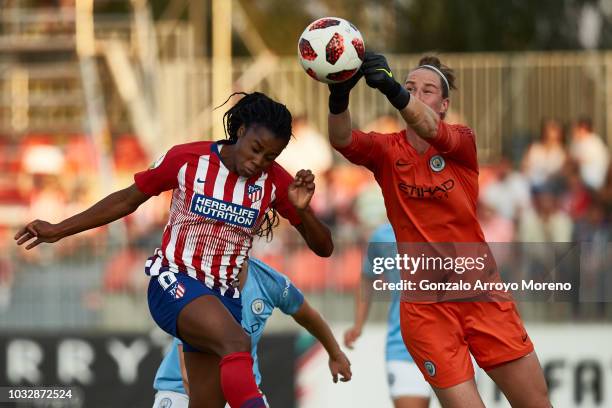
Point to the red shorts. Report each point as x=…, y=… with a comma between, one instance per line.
x=441, y=336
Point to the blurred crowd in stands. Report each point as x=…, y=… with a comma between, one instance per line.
x=560, y=191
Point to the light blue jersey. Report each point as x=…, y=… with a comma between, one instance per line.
x=264, y=290
x=378, y=247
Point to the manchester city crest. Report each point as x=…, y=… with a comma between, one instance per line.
x=437, y=163
x=165, y=403
x=430, y=368
x=257, y=307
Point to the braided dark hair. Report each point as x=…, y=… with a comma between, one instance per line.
x=269, y=221
x=258, y=109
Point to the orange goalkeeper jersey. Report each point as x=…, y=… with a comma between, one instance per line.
x=430, y=197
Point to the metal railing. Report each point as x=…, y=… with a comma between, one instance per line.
x=503, y=97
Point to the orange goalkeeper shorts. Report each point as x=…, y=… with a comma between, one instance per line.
x=440, y=337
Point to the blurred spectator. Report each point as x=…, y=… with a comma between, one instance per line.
x=9, y=172
x=495, y=227
x=308, y=149
x=13, y=194
x=81, y=174
x=123, y=272
x=593, y=227
x=575, y=195
x=545, y=157
x=487, y=174
x=43, y=159
x=545, y=222
x=498, y=231
x=48, y=199
x=593, y=233
x=88, y=242
x=592, y=155
x=370, y=207
x=129, y=157
x=541, y=229
x=145, y=226
x=323, y=201
x=606, y=194
x=337, y=200
x=81, y=155
x=508, y=193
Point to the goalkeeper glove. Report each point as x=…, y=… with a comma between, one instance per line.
x=378, y=75
x=339, y=93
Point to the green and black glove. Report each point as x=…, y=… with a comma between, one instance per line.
x=378, y=75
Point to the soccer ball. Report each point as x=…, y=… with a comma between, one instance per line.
x=331, y=50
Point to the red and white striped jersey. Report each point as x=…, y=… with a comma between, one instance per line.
x=213, y=214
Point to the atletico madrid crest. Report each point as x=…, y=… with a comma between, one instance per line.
x=179, y=291
x=255, y=192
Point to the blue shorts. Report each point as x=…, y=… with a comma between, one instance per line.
x=170, y=292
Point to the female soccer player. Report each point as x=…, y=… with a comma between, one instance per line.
x=428, y=174
x=221, y=196
x=262, y=289
x=407, y=388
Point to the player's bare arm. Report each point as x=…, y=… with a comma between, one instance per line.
x=311, y=320
x=111, y=208
x=363, y=301
x=339, y=120
x=315, y=233
x=339, y=129
x=421, y=118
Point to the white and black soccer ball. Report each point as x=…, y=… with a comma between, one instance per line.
x=331, y=50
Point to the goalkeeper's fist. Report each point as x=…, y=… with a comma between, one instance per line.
x=377, y=72
x=378, y=75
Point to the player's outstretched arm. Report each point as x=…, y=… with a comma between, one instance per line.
x=418, y=116
x=315, y=233
x=311, y=320
x=363, y=301
x=339, y=120
x=109, y=209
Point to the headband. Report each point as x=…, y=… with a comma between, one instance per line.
x=431, y=67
